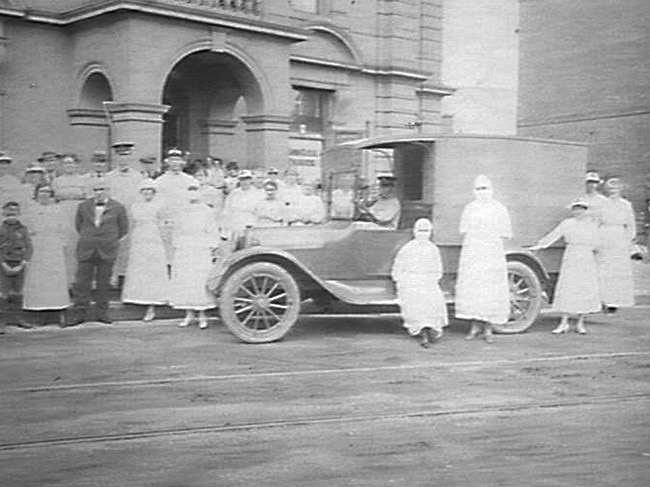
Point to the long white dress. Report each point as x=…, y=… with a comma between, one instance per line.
x=482, y=285
x=147, y=280
x=46, y=284
x=70, y=190
x=195, y=233
x=172, y=190
x=617, y=229
x=416, y=271
x=578, y=289
x=124, y=186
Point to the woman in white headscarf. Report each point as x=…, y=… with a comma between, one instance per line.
x=482, y=293
x=416, y=271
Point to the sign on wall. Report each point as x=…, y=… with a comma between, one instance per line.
x=304, y=155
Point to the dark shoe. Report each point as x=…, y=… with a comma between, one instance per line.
x=22, y=324
x=611, y=309
x=436, y=335
x=105, y=319
x=72, y=322
x=474, y=331
x=426, y=337
x=487, y=335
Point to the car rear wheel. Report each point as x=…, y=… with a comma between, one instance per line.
x=260, y=302
x=525, y=298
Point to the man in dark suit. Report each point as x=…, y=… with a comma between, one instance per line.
x=101, y=223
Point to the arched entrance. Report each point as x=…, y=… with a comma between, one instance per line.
x=209, y=93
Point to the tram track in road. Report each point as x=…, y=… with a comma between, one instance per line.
x=462, y=365
x=314, y=421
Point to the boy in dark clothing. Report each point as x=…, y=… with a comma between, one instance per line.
x=15, y=251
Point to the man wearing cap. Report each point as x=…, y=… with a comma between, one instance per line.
x=34, y=175
x=49, y=161
x=148, y=167
x=101, y=223
x=231, y=180
x=239, y=209
x=271, y=211
x=172, y=189
x=386, y=210
x=592, y=196
x=99, y=167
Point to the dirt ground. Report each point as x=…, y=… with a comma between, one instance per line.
x=341, y=401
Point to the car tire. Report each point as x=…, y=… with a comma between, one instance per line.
x=526, y=298
x=260, y=302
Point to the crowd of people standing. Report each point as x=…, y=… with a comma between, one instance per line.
x=68, y=237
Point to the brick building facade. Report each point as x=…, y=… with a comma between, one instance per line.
x=243, y=80
x=585, y=76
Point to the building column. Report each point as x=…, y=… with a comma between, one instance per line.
x=140, y=123
x=220, y=138
x=267, y=141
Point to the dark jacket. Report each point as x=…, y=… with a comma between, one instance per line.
x=105, y=238
x=15, y=243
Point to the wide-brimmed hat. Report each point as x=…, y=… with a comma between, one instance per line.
x=34, y=167
x=245, y=174
x=48, y=155
x=99, y=156
x=578, y=203
x=386, y=179
x=148, y=184
x=592, y=177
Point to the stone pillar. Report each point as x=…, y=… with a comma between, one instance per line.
x=89, y=132
x=268, y=140
x=220, y=137
x=140, y=123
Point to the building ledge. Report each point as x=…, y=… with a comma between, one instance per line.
x=186, y=10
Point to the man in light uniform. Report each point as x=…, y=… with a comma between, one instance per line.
x=386, y=210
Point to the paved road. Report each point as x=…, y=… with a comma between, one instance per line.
x=340, y=402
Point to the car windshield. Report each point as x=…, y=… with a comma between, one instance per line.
x=341, y=192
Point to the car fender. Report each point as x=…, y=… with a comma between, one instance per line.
x=531, y=260
x=222, y=268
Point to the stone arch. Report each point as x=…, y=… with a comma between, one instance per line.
x=95, y=88
x=253, y=77
x=210, y=92
x=332, y=40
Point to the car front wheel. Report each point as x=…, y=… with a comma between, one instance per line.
x=260, y=302
x=525, y=298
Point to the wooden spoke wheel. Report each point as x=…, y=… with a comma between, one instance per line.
x=260, y=302
x=525, y=298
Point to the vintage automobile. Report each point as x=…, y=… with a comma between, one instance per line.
x=265, y=281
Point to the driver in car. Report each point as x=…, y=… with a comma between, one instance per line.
x=386, y=210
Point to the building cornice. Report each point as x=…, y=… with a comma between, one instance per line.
x=181, y=12
x=372, y=70
x=580, y=117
